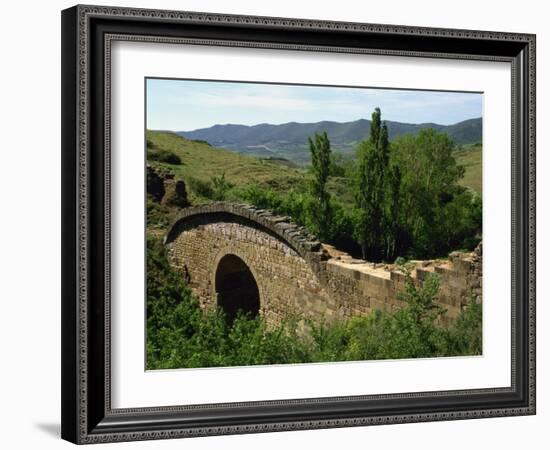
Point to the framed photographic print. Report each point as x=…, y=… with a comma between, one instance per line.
x=278, y=224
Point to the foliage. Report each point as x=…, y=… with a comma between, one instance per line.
x=157, y=215
x=319, y=207
x=370, y=187
x=220, y=187
x=165, y=156
x=436, y=215
x=172, y=312
x=296, y=204
x=200, y=187
x=464, y=336
x=201, y=141
x=180, y=334
x=341, y=166
x=215, y=189
x=408, y=200
x=292, y=204
x=403, y=198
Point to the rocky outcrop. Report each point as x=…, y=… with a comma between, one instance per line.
x=175, y=194
x=155, y=184
x=165, y=189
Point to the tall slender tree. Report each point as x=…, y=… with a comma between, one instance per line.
x=393, y=209
x=320, y=208
x=370, y=188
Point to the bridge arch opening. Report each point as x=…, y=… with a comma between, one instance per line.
x=236, y=288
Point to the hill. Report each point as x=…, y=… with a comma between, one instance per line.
x=471, y=158
x=289, y=140
x=200, y=161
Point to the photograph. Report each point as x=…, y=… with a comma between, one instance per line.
x=297, y=223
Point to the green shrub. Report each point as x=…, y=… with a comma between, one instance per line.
x=158, y=215
x=220, y=187
x=201, y=141
x=180, y=334
x=173, y=315
x=464, y=335
x=201, y=188
x=164, y=156
x=217, y=188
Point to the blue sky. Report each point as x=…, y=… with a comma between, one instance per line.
x=184, y=105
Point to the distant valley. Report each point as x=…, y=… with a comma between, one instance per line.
x=289, y=140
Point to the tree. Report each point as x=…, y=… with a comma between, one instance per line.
x=392, y=213
x=320, y=209
x=437, y=214
x=370, y=187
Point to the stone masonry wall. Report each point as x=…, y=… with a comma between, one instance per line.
x=364, y=286
x=296, y=274
x=286, y=282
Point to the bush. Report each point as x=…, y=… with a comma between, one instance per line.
x=157, y=215
x=173, y=315
x=220, y=187
x=201, y=141
x=201, y=188
x=217, y=188
x=164, y=156
x=180, y=334
x=464, y=336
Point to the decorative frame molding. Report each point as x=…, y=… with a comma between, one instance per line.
x=87, y=34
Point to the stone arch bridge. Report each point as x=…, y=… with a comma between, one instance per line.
x=238, y=257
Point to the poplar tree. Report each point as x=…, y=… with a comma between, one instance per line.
x=320, y=208
x=393, y=211
x=370, y=186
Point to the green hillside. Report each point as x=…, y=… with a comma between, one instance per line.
x=200, y=161
x=470, y=157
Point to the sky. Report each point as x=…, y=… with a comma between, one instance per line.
x=186, y=105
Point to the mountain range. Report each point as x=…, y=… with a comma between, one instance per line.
x=289, y=140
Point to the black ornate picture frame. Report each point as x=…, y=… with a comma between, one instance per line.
x=87, y=35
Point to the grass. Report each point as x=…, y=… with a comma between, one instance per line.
x=202, y=162
x=470, y=158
